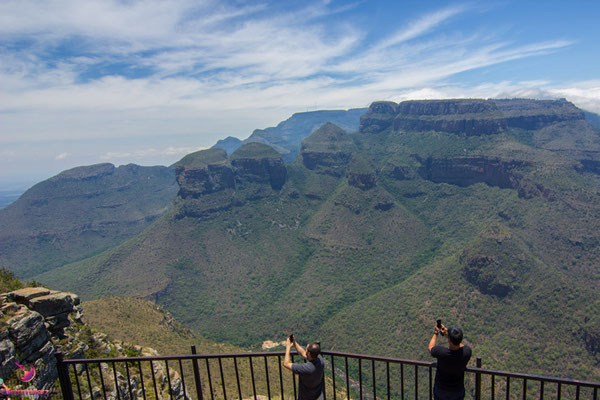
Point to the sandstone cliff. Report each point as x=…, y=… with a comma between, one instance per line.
x=37, y=323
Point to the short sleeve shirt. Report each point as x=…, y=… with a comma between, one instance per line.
x=451, y=365
x=310, y=376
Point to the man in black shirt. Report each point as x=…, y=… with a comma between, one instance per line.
x=310, y=373
x=451, y=364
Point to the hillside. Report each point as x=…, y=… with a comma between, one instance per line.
x=146, y=324
x=81, y=212
x=484, y=213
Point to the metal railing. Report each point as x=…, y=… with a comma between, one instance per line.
x=261, y=375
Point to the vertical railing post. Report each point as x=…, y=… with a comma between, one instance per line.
x=478, y=380
x=197, y=374
x=63, y=377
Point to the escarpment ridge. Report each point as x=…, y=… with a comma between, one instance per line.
x=468, y=116
x=483, y=212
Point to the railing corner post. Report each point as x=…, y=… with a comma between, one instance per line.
x=478, y=380
x=197, y=380
x=63, y=377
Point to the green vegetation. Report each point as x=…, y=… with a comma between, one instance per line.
x=202, y=158
x=504, y=243
x=255, y=150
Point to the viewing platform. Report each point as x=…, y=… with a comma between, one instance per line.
x=261, y=376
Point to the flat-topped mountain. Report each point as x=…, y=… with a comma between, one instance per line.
x=464, y=209
x=468, y=116
x=81, y=212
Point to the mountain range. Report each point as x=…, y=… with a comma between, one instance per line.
x=484, y=213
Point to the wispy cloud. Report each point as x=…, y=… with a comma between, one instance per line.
x=109, y=68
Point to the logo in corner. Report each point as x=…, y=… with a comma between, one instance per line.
x=27, y=375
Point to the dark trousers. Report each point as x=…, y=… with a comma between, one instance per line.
x=439, y=394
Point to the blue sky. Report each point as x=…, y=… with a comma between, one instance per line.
x=147, y=82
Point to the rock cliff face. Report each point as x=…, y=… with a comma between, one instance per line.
x=464, y=171
x=258, y=163
x=204, y=172
x=360, y=173
x=536, y=114
x=34, y=320
x=467, y=116
x=210, y=182
x=328, y=150
x=36, y=323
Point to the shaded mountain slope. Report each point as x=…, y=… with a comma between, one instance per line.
x=81, y=212
x=367, y=238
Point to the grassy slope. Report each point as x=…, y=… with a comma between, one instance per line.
x=359, y=278
x=143, y=323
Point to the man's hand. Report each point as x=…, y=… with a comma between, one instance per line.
x=444, y=330
x=287, y=361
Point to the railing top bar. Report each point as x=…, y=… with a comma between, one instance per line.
x=337, y=354
x=377, y=358
x=535, y=377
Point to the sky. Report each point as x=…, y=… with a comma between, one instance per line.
x=146, y=82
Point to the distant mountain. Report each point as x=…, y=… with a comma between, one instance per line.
x=592, y=118
x=287, y=136
x=485, y=213
x=8, y=196
x=81, y=212
x=229, y=144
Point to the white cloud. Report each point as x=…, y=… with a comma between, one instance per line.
x=62, y=156
x=210, y=69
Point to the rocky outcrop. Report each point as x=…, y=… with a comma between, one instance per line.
x=400, y=172
x=203, y=173
x=258, y=163
x=360, y=173
x=465, y=171
x=328, y=150
x=36, y=323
